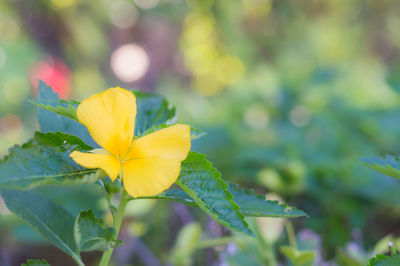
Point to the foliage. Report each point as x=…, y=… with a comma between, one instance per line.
x=304, y=101
x=204, y=185
x=389, y=165
x=44, y=160
x=35, y=263
x=298, y=258
x=383, y=260
x=52, y=221
x=91, y=233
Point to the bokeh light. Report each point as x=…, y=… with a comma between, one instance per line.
x=256, y=117
x=10, y=126
x=146, y=4
x=15, y=90
x=130, y=62
x=9, y=28
x=122, y=14
x=300, y=116
x=63, y=3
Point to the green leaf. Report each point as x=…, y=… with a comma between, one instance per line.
x=177, y=195
x=344, y=259
x=256, y=205
x=153, y=111
x=194, y=132
x=44, y=160
x=389, y=165
x=61, y=107
x=51, y=121
x=249, y=203
x=35, y=263
x=383, y=260
x=60, y=115
x=297, y=257
x=203, y=183
x=50, y=220
x=91, y=233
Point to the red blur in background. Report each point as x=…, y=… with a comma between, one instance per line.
x=55, y=73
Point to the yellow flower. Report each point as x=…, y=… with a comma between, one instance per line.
x=148, y=165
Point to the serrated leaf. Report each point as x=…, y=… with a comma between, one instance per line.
x=249, y=203
x=91, y=233
x=203, y=183
x=50, y=220
x=61, y=107
x=50, y=121
x=60, y=115
x=153, y=111
x=297, y=257
x=194, y=132
x=44, y=160
x=256, y=205
x=177, y=195
x=389, y=165
x=383, y=260
x=35, y=263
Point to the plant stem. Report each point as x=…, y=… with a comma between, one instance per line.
x=119, y=215
x=269, y=254
x=78, y=260
x=291, y=235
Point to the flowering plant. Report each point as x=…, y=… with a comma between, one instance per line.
x=114, y=134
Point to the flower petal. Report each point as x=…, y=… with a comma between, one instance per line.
x=149, y=177
x=110, y=118
x=106, y=162
x=172, y=142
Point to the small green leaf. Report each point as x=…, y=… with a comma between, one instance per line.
x=61, y=107
x=152, y=111
x=389, y=165
x=256, y=205
x=383, y=260
x=35, y=263
x=297, y=257
x=50, y=121
x=91, y=233
x=203, y=183
x=44, y=160
x=50, y=220
x=194, y=132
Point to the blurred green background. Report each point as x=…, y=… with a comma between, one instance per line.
x=291, y=93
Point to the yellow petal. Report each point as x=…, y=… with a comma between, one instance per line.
x=110, y=118
x=106, y=162
x=149, y=177
x=172, y=142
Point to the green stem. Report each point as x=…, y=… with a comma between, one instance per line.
x=291, y=235
x=78, y=260
x=119, y=215
x=269, y=253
